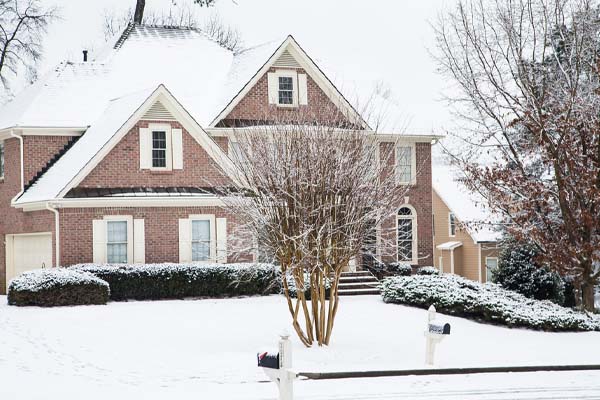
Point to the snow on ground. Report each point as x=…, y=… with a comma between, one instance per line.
x=188, y=349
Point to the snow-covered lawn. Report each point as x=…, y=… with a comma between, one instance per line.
x=189, y=349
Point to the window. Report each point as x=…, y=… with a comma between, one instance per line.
x=201, y=240
x=1, y=160
x=116, y=242
x=404, y=164
x=286, y=90
x=406, y=235
x=491, y=263
x=237, y=153
x=452, y=224
x=159, y=149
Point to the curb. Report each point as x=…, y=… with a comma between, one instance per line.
x=445, y=371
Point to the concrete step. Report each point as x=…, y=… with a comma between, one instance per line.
x=353, y=286
x=358, y=292
x=358, y=279
x=356, y=274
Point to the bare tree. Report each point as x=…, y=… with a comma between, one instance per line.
x=22, y=26
x=223, y=34
x=527, y=78
x=312, y=188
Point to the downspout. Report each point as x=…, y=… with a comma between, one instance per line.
x=12, y=134
x=479, y=263
x=53, y=209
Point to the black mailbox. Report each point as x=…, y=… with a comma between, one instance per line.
x=439, y=329
x=268, y=360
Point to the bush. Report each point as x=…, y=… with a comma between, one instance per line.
x=293, y=290
x=57, y=287
x=489, y=302
x=400, y=268
x=381, y=270
x=428, y=271
x=518, y=270
x=177, y=281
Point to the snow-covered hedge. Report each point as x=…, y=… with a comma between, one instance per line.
x=489, y=302
x=176, y=281
x=57, y=287
x=291, y=282
x=428, y=271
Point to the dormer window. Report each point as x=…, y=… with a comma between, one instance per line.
x=286, y=90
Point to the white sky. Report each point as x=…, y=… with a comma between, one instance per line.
x=365, y=42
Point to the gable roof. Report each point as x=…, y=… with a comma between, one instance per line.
x=468, y=207
x=292, y=52
x=114, y=123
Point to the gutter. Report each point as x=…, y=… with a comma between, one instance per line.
x=52, y=208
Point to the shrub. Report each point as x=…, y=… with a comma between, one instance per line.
x=381, y=270
x=177, y=281
x=400, y=268
x=489, y=302
x=518, y=270
x=293, y=290
x=57, y=287
x=428, y=271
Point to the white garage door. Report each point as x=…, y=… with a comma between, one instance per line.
x=27, y=252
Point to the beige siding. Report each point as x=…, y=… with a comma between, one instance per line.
x=466, y=257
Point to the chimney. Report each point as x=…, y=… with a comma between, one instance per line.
x=85, y=53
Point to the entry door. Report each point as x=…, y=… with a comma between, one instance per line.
x=27, y=252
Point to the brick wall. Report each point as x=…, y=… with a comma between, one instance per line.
x=38, y=150
x=419, y=197
x=254, y=108
x=161, y=231
x=121, y=167
x=14, y=221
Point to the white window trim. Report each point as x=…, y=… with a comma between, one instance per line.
x=487, y=277
x=413, y=163
x=288, y=74
x=415, y=241
x=169, y=150
x=121, y=218
x=450, y=214
x=213, y=236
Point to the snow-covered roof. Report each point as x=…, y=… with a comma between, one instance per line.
x=449, y=245
x=468, y=207
x=73, y=161
x=198, y=71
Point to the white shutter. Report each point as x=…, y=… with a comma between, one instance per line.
x=145, y=148
x=221, y=240
x=139, y=241
x=273, y=84
x=99, y=241
x=185, y=241
x=177, y=143
x=302, y=89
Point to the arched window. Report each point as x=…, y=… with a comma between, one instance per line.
x=407, y=234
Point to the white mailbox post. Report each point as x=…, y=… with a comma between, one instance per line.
x=279, y=367
x=434, y=334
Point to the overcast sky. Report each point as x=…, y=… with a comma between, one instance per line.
x=363, y=42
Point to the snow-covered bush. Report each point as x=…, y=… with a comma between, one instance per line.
x=293, y=289
x=428, y=271
x=381, y=270
x=518, y=270
x=57, y=287
x=176, y=281
x=400, y=268
x=489, y=302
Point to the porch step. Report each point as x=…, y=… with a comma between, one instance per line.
x=358, y=283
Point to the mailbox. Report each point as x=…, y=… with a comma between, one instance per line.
x=440, y=329
x=268, y=360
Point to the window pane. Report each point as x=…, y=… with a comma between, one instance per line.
x=404, y=163
x=159, y=158
x=285, y=83
x=201, y=230
x=117, y=253
x=159, y=149
x=285, y=97
x=201, y=240
x=200, y=251
x=159, y=140
x=405, y=239
x=117, y=232
x=452, y=225
x=286, y=90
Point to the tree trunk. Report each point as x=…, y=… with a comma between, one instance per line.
x=139, y=11
x=588, y=290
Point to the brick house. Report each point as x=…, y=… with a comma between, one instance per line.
x=109, y=160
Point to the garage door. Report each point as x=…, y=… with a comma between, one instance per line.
x=27, y=252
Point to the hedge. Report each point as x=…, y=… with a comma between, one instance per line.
x=489, y=302
x=178, y=281
x=57, y=287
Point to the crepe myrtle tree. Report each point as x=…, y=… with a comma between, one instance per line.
x=526, y=74
x=312, y=194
